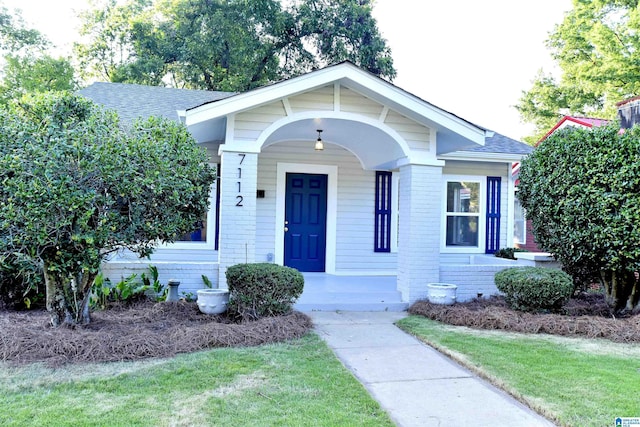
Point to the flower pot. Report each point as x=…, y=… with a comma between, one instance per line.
x=213, y=301
x=441, y=293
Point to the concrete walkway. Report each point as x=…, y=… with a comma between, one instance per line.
x=414, y=383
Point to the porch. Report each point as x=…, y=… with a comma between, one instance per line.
x=327, y=292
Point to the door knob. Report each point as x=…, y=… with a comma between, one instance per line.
x=286, y=229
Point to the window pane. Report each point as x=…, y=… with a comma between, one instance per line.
x=462, y=231
x=199, y=234
x=463, y=197
x=519, y=234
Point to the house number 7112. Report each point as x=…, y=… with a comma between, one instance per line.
x=239, y=197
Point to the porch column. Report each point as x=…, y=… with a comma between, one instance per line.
x=420, y=208
x=237, y=234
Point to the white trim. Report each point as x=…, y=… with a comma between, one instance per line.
x=337, y=106
x=482, y=157
x=211, y=225
x=332, y=208
x=482, y=214
x=511, y=196
x=287, y=106
x=395, y=209
x=231, y=127
x=352, y=77
x=383, y=113
x=238, y=147
x=306, y=115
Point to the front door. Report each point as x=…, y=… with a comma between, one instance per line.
x=305, y=222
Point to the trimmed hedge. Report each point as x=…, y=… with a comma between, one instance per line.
x=534, y=288
x=262, y=289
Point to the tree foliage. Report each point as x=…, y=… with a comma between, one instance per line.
x=231, y=45
x=29, y=74
x=581, y=190
x=26, y=65
x=75, y=187
x=597, y=48
x=14, y=35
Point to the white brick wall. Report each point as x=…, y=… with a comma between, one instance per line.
x=419, y=230
x=189, y=274
x=237, y=223
x=471, y=279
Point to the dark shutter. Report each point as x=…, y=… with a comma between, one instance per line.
x=217, y=235
x=493, y=214
x=383, y=212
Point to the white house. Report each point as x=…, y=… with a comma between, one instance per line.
x=400, y=188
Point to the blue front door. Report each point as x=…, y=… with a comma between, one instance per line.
x=305, y=217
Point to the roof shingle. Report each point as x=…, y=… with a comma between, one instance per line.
x=131, y=101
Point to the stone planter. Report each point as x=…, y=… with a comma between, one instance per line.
x=441, y=293
x=213, y=301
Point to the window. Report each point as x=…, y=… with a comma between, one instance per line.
x=199, y=233
x=463, y=213
x=519, y=223
x=205, y=231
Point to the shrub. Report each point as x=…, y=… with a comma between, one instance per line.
x=508, y=253
x=580, y=190
x=21, y=283
x=128, y=290
x=259, y=290
x=534, y=288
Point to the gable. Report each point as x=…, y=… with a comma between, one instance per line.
x=364, y=94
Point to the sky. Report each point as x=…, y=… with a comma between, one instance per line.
x=472, y=58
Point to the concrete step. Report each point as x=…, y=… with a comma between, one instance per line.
x=345, y=306
x=323, y=292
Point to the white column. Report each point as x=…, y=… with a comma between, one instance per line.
x=419, y=229
x=237, y=234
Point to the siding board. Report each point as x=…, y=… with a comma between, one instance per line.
x=355, y=205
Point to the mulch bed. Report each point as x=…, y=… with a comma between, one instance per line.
x=134, y=332
x=586, y=316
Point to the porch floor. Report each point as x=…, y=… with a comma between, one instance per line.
x=326, y=292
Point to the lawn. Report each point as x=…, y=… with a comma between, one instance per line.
x=576, y=382
x=296, y=383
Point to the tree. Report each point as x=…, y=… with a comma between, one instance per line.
x=597, y=47
x=27, y=68
x=581, y=190
x=231, y=45
x=14, y=35
x=28, y=74
x=75, y=188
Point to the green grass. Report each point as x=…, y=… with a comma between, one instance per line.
x=576, y=382
x=290, y=384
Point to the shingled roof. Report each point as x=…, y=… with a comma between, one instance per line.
x=502, y=144
x=132, y=100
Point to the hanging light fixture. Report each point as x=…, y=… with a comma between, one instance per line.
x=319, y=145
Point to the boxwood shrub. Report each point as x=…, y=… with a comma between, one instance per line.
x=262, y=289
x=534, y=288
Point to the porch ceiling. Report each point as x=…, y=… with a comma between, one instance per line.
x=375, y=149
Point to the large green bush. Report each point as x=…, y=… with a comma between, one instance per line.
x=534, y=288
x=259, y=290
x=75, y=187
x=581, y=190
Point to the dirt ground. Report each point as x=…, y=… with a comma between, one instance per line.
x=587, y=316
x=134, y=332
x=148, y=329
